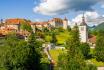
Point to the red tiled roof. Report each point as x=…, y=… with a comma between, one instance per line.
x=58, y=20
x=92, y=39
x=13, y=21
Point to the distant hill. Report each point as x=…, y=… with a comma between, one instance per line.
x=91, y=27
x=99, y=27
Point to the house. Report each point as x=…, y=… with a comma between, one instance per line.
x=92, y=41
x=13, y=23
x=39, y=25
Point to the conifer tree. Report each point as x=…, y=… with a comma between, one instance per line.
x=99, y=49
x=73, y=59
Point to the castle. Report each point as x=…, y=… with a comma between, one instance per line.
x=14, y=25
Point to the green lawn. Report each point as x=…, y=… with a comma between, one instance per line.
x=62, y=37
x=55, y=53
x=94, y=61
x=98, y=64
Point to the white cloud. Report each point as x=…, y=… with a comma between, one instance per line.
x=92, y=18
x=89, y=16
x=55, y=7
x=50, y=7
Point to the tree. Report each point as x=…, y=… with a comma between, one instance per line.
x=48, y=38
x=34, y=54
x=85, y=49
x=54, y=40
x=99, y=49
x=69, y=28
x=25, y=25
x=73, y=59
x=20, y=55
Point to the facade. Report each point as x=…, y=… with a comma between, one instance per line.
x=13, y=23
x=83, y=31
x=38, y=25
x=58, y=22
x=55, y=22
x=65, y=23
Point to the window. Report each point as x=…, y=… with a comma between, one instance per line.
x=82, y=28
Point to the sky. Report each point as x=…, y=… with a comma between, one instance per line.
x=42, y=10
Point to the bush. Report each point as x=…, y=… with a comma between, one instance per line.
x=48, y=38
x=45, y=64
x=91, y=67
x=85, y=49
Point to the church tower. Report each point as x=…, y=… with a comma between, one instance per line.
x=83, y=31
x=65, y=23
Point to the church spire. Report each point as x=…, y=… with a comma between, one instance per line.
x=83, y=20
x=65, y=19
x=1, y=21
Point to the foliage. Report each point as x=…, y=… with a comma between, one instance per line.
x=91, y=67
x=62, y=37
x=44, y=63
x=48, y=38
x=60, y=29
x=99, y=27
x=25, y=25
x=73, y=59
x=97, y=63
x=54, y=40
x=99, y=49
x=69, y=28
x=55, y=53
x=85, y=49
x=69, y=62
x=45, y=29
x=40, y=34
x=17, y=54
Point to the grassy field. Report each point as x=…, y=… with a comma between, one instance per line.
x=62, y=37
x=98, y=64
x=55, y=53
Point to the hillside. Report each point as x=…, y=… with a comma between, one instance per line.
x=99, y=27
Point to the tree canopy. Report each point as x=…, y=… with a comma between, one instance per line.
x=99, y=49
x=18, y=54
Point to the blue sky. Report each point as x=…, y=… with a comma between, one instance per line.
x=24, y=9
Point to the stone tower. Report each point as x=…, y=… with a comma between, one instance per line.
x=83, y=31
x=65, y=23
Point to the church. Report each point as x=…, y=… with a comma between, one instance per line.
x=83, y=31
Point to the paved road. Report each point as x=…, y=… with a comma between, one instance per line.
x=100, y=68
x=46, y=50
